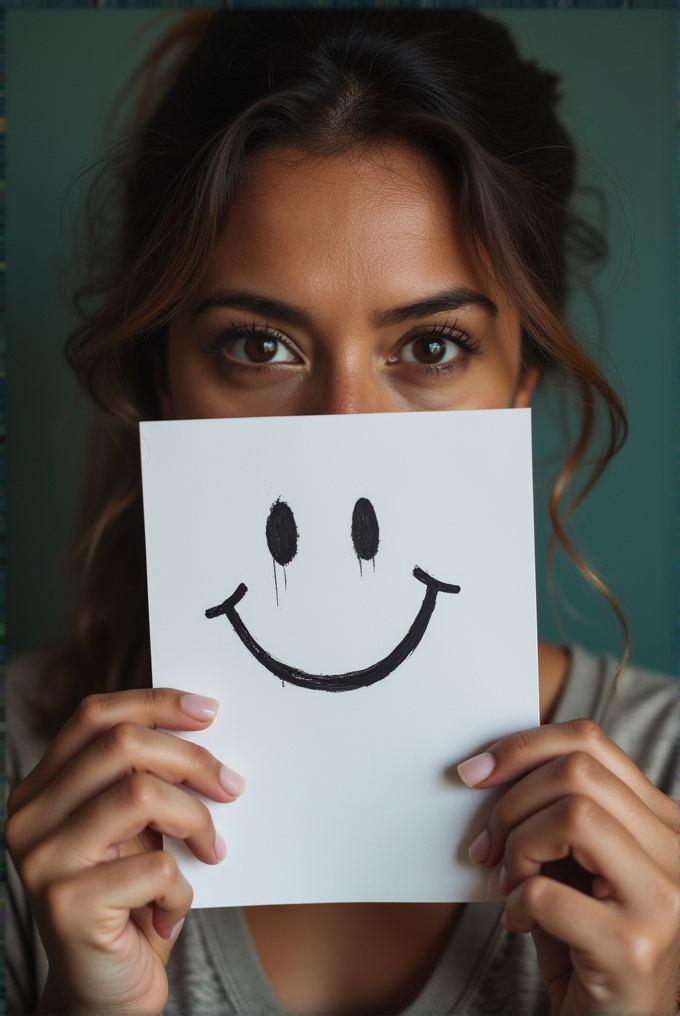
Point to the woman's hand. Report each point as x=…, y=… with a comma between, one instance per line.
x=588, y=849
x=85, y=835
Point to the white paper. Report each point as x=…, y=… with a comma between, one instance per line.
x=346, y=797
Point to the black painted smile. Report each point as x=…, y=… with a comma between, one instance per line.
x=354, y=678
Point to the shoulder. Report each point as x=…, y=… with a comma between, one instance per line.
x=641, y=714
x=24, y=747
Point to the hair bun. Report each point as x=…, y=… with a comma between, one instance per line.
x=551, y=86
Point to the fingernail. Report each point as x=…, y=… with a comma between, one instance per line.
x=477, y=768
x=175, y=930
x=480, y=848
x=198, y=707
x=504, y=883
x=232, y=782
x=220, y=847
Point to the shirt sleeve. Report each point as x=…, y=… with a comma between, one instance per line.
x=640, y=712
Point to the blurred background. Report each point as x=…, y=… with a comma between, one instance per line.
x=618, y=71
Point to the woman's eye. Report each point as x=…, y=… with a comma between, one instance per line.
x=259, y=349
x=430, y=349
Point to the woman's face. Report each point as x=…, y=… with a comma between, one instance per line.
x=343, y=285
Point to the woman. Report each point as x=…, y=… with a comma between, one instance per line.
x=333, y=213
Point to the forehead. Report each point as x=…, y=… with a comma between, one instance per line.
x=380, y=222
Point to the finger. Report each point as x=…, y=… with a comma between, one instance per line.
x=567, y=775
x=126, y=747
x=98, y=900
x=612, y=954
x=148, y=707
x=91, y=836
x=578, y=827
x=565, y=913
x=514, y=756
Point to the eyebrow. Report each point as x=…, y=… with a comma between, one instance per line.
x=446, y=300
x=242, y=300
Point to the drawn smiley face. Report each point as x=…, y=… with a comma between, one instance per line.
x=282, y=539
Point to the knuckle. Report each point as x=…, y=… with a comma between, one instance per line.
x=534, y=891
x=519, y=744
x=60, y=903
x=580, y=811
x=154, y=698
x=667, y=903
x=164, y=866
x=37, y=865
x=639, y=952
x=91, y=711
x=125, y=738
x=141, y=790
x=200, y=760
x=32, y=868
x=206, y=822
x=577, y=768
x=502, y=814
x=587, y=732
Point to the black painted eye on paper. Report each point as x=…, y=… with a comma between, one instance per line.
x=365, y=531
x=281, y=533
x=282, y=540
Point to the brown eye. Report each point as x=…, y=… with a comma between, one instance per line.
x=259, y=347
x=430, y=349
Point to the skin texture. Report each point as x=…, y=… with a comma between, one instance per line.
x=342, y=242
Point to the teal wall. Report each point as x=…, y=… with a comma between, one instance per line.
x=618, y=67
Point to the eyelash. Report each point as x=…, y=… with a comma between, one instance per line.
x=238, y=332
x=470, y=346
x=244, y=331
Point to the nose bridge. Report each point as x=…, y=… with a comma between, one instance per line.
x=346, y=395
x=349, y=380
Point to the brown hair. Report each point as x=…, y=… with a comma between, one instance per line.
x=449, y=83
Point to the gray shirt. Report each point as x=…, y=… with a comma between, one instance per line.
x=214, y=969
